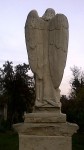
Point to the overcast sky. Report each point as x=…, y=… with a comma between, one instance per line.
x=13, y=15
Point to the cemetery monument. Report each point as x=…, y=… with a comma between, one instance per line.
x=47, y=45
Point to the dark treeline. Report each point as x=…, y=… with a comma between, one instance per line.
x=17, y=91
x=73, y=105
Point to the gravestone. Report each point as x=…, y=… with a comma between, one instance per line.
x=47, y=45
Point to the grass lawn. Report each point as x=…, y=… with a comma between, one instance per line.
x=78, y=141
x=9, y=141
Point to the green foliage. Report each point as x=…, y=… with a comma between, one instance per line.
x=4, y=126
x=17, y=90
x=74, y=105
x=77, y=83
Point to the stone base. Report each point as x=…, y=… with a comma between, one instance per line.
x=32, y=142
x=46, y=117
x=45, y=131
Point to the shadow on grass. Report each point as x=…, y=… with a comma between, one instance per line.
x=78, y=141
x=9, y=141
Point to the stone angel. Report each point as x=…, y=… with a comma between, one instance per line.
x=47, y=46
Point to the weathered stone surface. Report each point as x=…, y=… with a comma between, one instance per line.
x=42, y=125
x=45, y=131
x=45, y=117
x=47, y=45
x=43, y=143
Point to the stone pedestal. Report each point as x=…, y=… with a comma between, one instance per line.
x=44, y=142
x=45, y=130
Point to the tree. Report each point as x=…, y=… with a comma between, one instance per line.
x=77, y=82
x=75, y=112
x=17, y=89
x=73, y=106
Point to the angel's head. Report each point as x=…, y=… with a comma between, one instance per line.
x=49, y=14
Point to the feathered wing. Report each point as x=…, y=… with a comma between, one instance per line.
x=58, y=47
x=33, y=37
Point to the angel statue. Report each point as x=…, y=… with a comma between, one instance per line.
x=47, y=46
